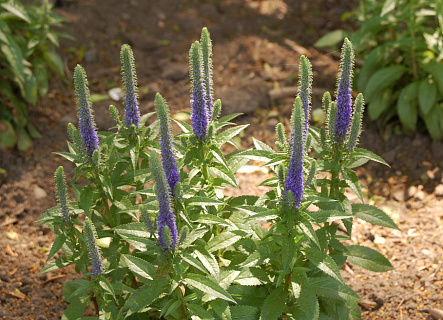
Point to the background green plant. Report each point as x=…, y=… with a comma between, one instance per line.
x=27, y=54
x=401, y=42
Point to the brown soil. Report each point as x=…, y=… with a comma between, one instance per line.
x=257, y=45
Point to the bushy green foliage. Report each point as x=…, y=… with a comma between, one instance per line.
x=160, y=240
x=27, y=43
x=401, y=42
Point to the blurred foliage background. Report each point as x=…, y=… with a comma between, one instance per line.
x=28, y=39
x=401, y=44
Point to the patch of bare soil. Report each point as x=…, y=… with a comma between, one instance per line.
x=257, y=45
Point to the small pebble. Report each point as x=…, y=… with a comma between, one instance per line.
x=439, y=190
x=39, y=193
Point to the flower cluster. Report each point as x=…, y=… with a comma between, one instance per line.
x=87, y=128
x=166, y=220
x=91, y=241
x=167, y=150
x=132, y=113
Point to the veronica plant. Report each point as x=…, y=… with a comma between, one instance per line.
x=294, y=266
x=158, y=239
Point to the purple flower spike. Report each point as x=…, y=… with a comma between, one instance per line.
x=165, y=215
x=168, y=159
x=199, y=114
x=87, y=128
x=94, y=252
x=294, y=180
x=344, y=96
x=132, y=112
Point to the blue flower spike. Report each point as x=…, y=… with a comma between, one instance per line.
x=344, y=93
x=129, y=77
x=294, y=180
x=356, y=124
x=167, y=150
x=166, y=219
x=94, y=252
x=199, y=112
x=87, y=127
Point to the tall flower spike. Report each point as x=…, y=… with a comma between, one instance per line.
x=357, y=118
x=206, y=45
x=61, y=193
x=94, y=252
x=332, y=121
x=129, y=77
x=294, y=180
x=166, y=217
x=199, y=114
x=167, y=151
x=305, y=88
x=343, y=95
x=87, y=128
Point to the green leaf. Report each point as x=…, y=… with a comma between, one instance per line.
x=434, y=122
x=252, y=277
x=388, y=6
x=353, y=182
x=382, y=79
x=194, y=262
x=24, y=141
x=208, y=286
x=224, y=136
x=308, y=302
x=54, y=62
x=373, y=215
x=30, y=87
x=274, y=305
x=145, y=296
x=247, y=295
x=198, y=312
x=436, y=70
x=380, y=103
x=107, y=286
x=222, y=241
x=366, y=154
x=244, y=313
x=142, y=268
x=329, y=216
x=427, y=95
x=407, y=107
x=75, y=310
x=331, y=39
x=209, y=261
x=324, y=262
x=203, y=201
x=17, y=10
x=8, y=138
x=373, y=63
x=58, y=263
x=58, y=243
x=368, y=258
x=331, y=288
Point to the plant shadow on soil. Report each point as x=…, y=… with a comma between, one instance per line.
x=257, y=45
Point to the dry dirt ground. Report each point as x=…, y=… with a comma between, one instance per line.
x=257, y=45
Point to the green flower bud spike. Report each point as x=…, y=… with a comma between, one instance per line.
x=94, y=252
x=61, y=192
x=281, y=135
x=206, y=47
x=356, y=124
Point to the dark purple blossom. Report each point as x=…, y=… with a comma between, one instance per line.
x=199, y=114
x=344, y=93
x=87, y=128
x=294, y=179
x=168, y=159
x=132, y=112
x=94, y=252
x=165, y=214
